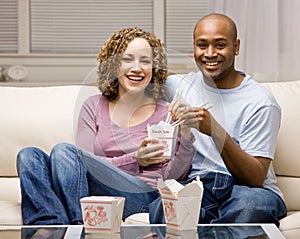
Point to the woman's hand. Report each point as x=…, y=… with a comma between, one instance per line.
x=148, y=152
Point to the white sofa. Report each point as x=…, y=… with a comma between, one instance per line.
x=44, y=116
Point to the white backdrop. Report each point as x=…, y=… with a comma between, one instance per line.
x=270, y=36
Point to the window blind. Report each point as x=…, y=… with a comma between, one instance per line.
x=81, y=27
x=181, y=17
x=8, y=26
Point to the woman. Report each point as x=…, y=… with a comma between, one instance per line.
x=113, y=155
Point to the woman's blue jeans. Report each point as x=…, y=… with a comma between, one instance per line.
x=224, y=201
x=52, y=185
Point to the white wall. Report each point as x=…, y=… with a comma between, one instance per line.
x=79, y=70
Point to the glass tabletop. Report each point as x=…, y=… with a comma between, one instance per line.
x=209, y=231
x=159, y=231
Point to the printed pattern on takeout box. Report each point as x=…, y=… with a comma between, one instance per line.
x=167, y=135
x=97, y=214
x=102, y=213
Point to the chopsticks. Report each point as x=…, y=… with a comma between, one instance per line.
x=177, y=96
x=205, y=105
x=177, y=122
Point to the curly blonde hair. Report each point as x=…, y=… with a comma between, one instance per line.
x=109, y=62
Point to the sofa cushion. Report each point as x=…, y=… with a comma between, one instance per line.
x=287, y=153
x=10, y=213
x=290, y=226
x=10, y=189
x=37, y=116
x=291, y=191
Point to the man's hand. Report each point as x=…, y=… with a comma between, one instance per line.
x=193, y=117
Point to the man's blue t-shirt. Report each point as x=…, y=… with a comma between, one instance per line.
x=249, y=113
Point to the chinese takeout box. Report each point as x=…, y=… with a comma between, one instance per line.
x=181, y=203
x=167, y=135
x=102, y=214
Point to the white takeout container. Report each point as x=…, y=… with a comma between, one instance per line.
x=181, y=203
x=167, y=135
x=102, y=214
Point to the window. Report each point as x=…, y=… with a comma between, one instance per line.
x=58, y=40
x=76, y=26
x=181, y=17
x=81, y=27
x=9, y=26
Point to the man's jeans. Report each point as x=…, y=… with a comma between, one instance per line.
x=224, y=201
x=52, y=185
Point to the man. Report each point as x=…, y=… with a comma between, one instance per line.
x=235, y=139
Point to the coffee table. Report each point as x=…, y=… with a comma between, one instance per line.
x=154, y=231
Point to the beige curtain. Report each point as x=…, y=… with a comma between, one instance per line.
x=270, y=36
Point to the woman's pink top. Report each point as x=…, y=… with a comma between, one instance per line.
x=99, y=135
